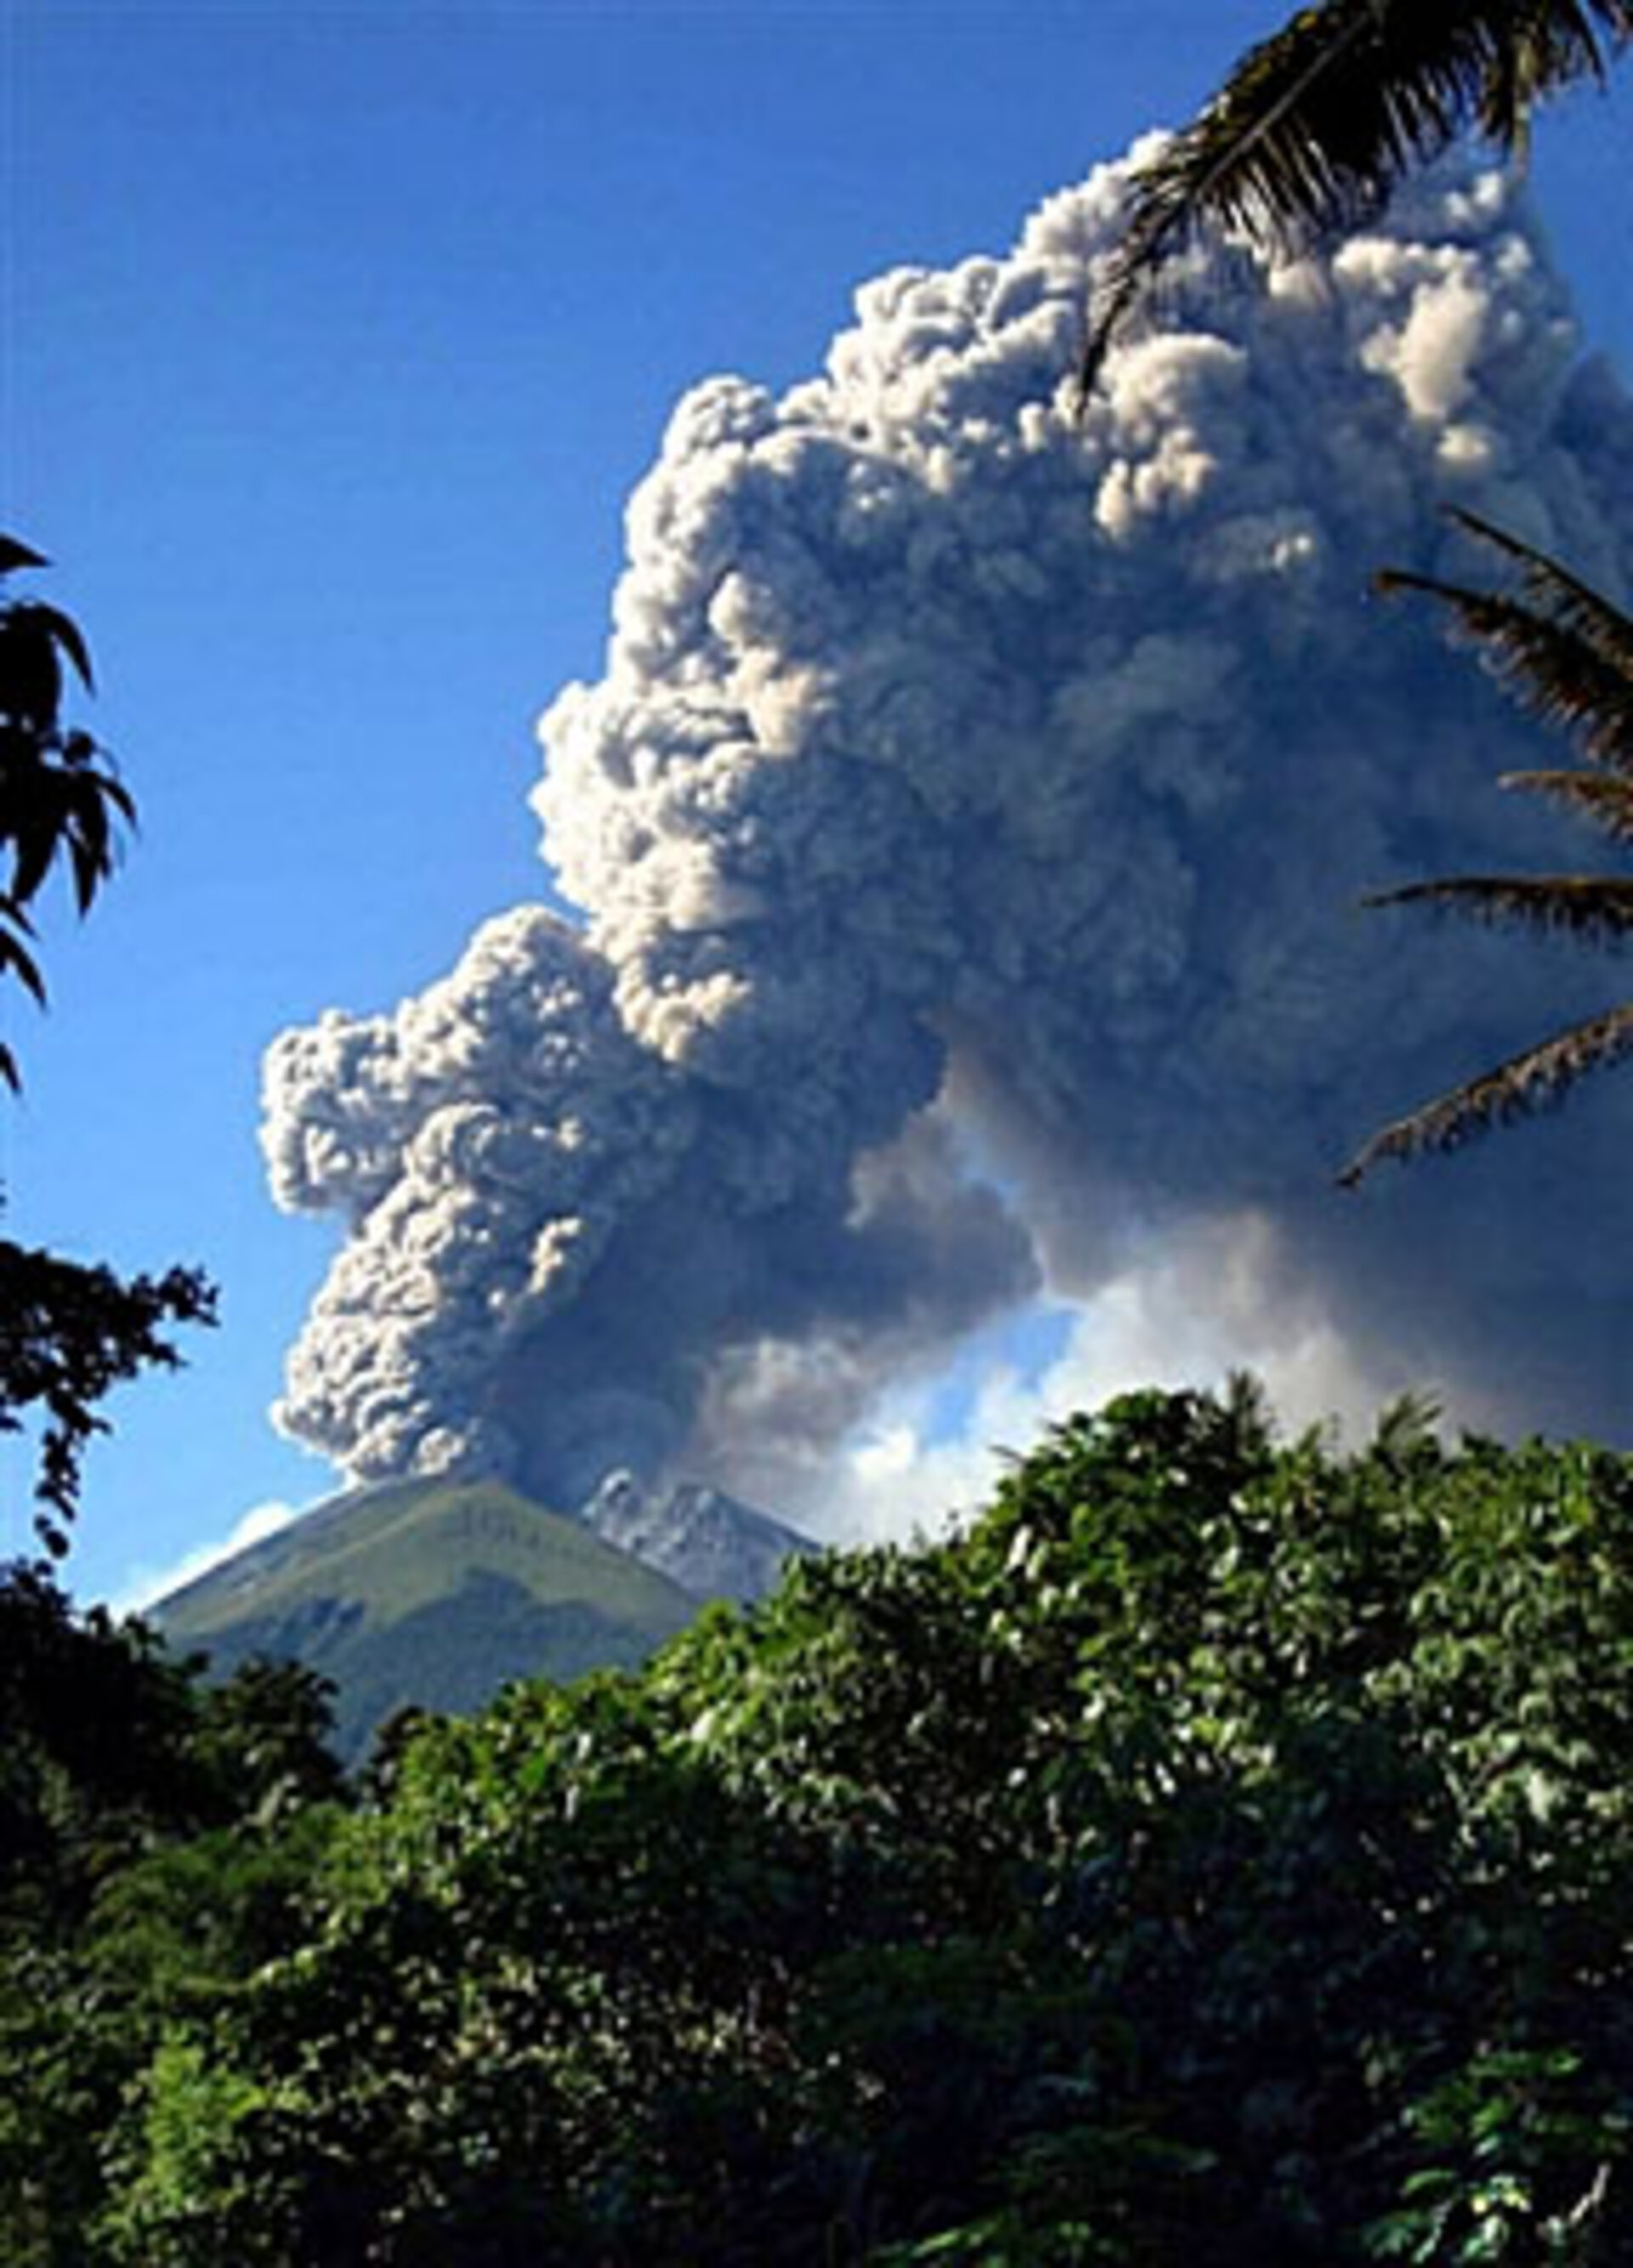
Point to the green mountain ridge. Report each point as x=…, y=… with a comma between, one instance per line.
x=429, y=1594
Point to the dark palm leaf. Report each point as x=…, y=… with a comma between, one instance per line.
x=1553, y=666
x=1553, y=591
x=1595, y=907
x=1526, y=1083
x=1316, y=125
x=1565, y=653
x=1547, y=46
x=1607, y=799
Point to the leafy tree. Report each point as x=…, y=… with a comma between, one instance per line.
x=100, y=1749
x=1221, y=1853
x=156, y=1841
x=112, y=1745
x=94, y=1720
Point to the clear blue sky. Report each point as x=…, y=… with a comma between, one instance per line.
x=336, y=337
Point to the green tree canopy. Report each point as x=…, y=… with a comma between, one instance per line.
x=1221, y=1855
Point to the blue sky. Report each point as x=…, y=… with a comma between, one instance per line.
x=335, y=338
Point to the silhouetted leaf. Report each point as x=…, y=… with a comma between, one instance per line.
x=1607, y=799
x=88, y=837
x=1565, y=653
x=114, y=791
x=59, y=793
x=1526, y=1083
x=21, y=963
x=91, y=870
x=66, y=633
x=1594, y=906
x=36, y=845
x=14, y=555
x=31, y=676
x=1554, y=589
x=1548, y=665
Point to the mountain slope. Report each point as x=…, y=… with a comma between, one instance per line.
x=427, y=1593
x=703, y=1540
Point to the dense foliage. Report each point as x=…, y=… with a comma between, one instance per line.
x=1222, y=1853
x=155, y=1835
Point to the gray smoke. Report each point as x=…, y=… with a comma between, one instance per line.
x=968, y=828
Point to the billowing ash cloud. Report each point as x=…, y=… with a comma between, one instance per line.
x=968, y=829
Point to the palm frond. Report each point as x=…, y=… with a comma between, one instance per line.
x=1550, y=44
x=1553, y=591
x=1316, y=125
x=1551, y=667
x=1596, y=906
x=1528, y=1082
x=1605, y=798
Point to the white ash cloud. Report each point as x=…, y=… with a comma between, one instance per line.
x=968, y=828
x=144, y=1584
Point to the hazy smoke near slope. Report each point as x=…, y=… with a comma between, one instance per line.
x=968, y=828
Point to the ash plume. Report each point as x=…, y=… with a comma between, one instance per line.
x=968, y=829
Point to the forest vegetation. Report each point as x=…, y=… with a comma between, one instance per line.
x=1221, y=1852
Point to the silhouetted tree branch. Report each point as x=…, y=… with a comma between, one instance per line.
x=59, y=797
x=68, y=1332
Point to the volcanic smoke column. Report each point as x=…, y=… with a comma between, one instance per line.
x=967, y=831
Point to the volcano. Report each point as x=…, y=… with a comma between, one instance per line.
x=432, y=1593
